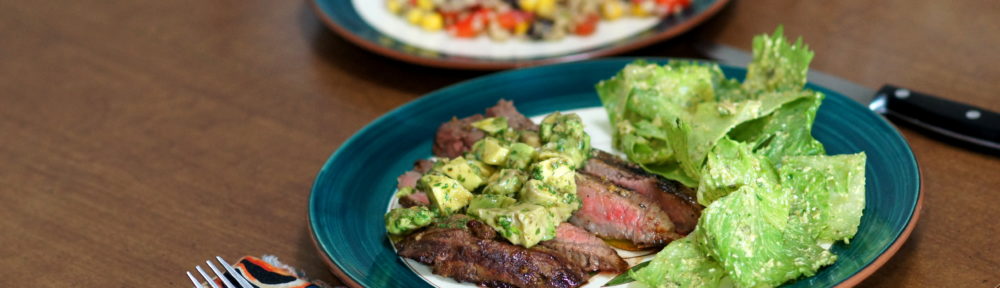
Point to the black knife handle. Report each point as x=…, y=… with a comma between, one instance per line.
x=964, y=123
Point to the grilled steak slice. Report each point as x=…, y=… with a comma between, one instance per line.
x=459, y=254
x=456, y=136
x=409, y=179
x=678, y=201
x=515, y=119
x=612, y=212
x=418, y=198
x=423, y=165
x=481, y=230
x=584, y=249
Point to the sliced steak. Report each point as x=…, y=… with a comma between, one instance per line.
x=418, y=198
x=455, y=137
x=515, y=119
x=678, y=201
x=459, y=254
x=615, y=213
x=584, y=249
x=481, y=230
x=423, y=165
x=408, y=179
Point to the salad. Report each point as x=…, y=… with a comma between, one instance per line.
x=774, y=202
x=531, y=19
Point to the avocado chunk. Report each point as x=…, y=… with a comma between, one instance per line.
x=507, y=182
x=491, y=125
x=560, y=204
x=401, y=221
x=402, y=192
x=563, y=135
x=529, y=137
x=446, y=195
x=479, y=168
x=520, y=156
x=484, y=201
x=523, y=224
x=490, y=151
x=557, y=172
x=459, y=169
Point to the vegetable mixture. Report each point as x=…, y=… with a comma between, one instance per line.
x=774, y=201
x=532, y=19
x=521, y=183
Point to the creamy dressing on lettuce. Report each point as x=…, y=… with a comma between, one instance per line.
x=774, y=201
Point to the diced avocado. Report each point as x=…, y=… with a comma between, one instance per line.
x=481, y=169
x=561, y=125
x=404, y=191
x=459, y=169
x=523, y=224
x=538, y=192
x=445, y=194
x=485, y=201
x=560, y=204
x=401, y=221
x=508, y=136
x=557, y=172
x=574, y=149
x=491, y=125
x=563, y=135
x=520, y=156
x=507, y=182
x=490, y=151
x=529, y=137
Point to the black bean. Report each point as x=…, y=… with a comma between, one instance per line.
x=513, y=4
x=540, y=28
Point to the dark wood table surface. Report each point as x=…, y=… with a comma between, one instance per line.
x=140, y=138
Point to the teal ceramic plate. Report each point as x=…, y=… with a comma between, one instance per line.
x=369, y=24
x=355, y=185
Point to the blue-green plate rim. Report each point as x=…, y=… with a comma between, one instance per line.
x=667, y=30
x=851, y=281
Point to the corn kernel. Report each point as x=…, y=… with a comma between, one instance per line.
x=528, y=5
x=546, y=8
x=432, y=21
x=612, y=9
x=521, y=28
x=425, y=4
x=414, y=16
x=394, y=6
x=639, y=10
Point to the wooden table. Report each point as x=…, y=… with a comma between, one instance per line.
x=139, y=139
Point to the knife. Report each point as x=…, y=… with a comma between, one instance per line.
x=958, y=123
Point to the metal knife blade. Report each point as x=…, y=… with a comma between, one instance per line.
x=962, y=124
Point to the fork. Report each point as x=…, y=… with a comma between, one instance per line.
x=239, y=277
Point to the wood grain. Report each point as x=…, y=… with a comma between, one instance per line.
x=139, y=138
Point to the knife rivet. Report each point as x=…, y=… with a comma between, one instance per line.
x=902, y=93
x=972, y=114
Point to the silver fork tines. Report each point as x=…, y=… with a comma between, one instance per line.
x=239, y=277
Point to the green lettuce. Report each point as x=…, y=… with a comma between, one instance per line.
x=769, y=225
x=681, y=264
x=774, y=201
x=777, y=64
x=667, y=118
x=831, y=191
